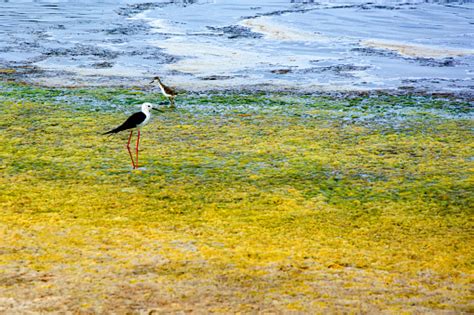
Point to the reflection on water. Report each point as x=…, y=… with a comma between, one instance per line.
x=201, y=44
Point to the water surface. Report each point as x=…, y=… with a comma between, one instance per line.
x=223, y=44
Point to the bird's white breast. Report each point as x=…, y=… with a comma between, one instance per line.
x=163, y=91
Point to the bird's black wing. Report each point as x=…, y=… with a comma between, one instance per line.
x=169, y=90
x=131, y=122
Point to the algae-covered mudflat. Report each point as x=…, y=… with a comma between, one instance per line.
x=245, y=203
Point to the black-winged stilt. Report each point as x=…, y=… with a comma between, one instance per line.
x=137, y=120
x=165, y=90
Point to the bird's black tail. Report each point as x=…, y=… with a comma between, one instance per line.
x=108, y=132
x=118, y=129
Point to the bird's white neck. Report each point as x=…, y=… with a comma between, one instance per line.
x=161, y=88
x=146, y=111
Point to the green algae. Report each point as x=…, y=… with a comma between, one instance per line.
x=246, y=203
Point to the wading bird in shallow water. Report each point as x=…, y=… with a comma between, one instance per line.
x=165, y=90
x=137, y=120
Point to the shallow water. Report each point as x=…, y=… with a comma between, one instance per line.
x=223, y=44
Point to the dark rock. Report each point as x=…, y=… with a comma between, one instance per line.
x=368, y=51
x=281, y=71
x=103, y=65
x=131, y=29
x=83, y=50
x=432, y=62
x=429, y=62
x=236, y=31
x=216, y=77
x=132, y=9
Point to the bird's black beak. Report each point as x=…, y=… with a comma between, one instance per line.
x=158, y=110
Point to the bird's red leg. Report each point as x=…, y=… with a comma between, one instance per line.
x=128, y=148
x=136, y=148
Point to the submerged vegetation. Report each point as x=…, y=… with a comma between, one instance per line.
x=245, y=203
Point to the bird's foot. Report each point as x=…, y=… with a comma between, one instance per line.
x=142, y=168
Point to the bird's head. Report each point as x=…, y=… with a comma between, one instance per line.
x=146, y=107
x=156, y=79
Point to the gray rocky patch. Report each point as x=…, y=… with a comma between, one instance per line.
x=341, y=70
x=432, y=62
x=429, y=62
x=368, y=51
x=83, y=50
x=102, y=65
x=216, y=77
x=308, y=5
x=130, y=29
x=281, y=71
x=344, y=68
x=133, y=9
x=236, y=31
x=157, y=55
x=302, y=1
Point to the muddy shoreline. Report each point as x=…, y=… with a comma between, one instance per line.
x=29, y=76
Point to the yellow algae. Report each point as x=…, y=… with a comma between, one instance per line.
x=274, y=211
x=7, y=71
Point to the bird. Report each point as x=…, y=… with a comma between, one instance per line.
x=165, y=90
x=136, y=120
